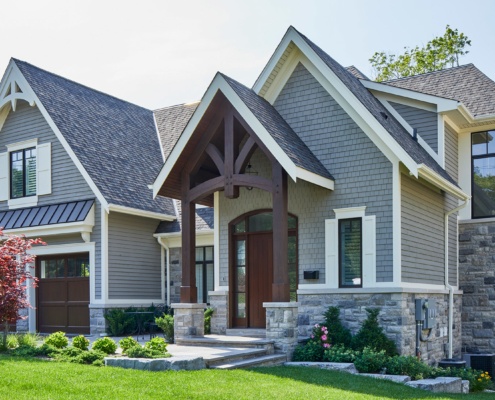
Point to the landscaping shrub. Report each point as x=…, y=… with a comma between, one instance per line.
x=12, y=342
x=105, y=344
x=478, y=380
x=157, y=344
x=166, y=324
x=371, y=335
x=119, y=323
x=310, y=351
x=26, y=351
x=58, y=340
x=68, y=354
x=80, y=342
x=28, y=339
x=339, y=353
x=126, y=343
x=337, y=333
x=371, y=361
x=208, y=314
x=143, y=352
x=407, y=365
x=93, y=357
x=47, y=350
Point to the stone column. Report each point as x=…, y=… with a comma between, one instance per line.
x=189, y=319
x=219, y=301
x=281, y=325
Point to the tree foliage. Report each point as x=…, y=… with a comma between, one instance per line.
x=15, y=277
x=439, y=53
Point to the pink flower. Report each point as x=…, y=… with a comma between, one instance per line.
x=326, y=345
x=317, y=325
x=324, y=337
x=312, y=336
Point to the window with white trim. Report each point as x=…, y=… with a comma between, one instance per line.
x=350, y=248
x=25, y=173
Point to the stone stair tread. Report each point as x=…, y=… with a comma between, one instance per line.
x=235, y=354
x=251, y=362
x=225, y=341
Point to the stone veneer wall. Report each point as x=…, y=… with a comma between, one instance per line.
x=175, y=275
x=477, y=281
x=397, y=317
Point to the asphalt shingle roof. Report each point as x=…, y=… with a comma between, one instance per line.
x=170, y=122
x=380, y=113
x=204, y=220
x=466, y=84
x=279, y=129
x=115, y=141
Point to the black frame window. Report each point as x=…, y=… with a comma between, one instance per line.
x=23, y=173
x=483, y=174
x=350, y=252
x=204, y=273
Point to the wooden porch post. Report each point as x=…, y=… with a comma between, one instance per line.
x=188, y=291
x=280, y=288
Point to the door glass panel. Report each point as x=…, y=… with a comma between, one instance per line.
x=241, y=252
x=210, y=284
x=240, y=227
x=16, y=174
x=199, y=254
x=54, y=268
x=241, y=279
x=199, y=281
x=240, y=309
x=77, y=267
x=208, y=253
x=30, y=172
x=350, y=252
x=260, y=222
x=484, y=187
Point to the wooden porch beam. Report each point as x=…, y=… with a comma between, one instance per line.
x=206, y=188
x=216, y=156
x=245, y=154
x=280, y=288
x=231, y=191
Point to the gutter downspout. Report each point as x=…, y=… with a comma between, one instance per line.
x=446, y=273
x=164, y=246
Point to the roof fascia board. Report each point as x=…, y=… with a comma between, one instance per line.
x=443, y=104
x=361, y=116
x=174, y=240
x=219, y=84
x=140, y=213
x=431, y=176
x=409, y=128
x=25, y=87
x=316, y=179
x=406, y=101
x=159, y=138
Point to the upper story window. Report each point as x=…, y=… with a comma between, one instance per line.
x=23, y=173
x=483, y=174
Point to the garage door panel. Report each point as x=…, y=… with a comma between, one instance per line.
x=78, y=289
x=52, y=290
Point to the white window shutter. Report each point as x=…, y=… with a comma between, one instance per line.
x=331, y=253
x=369, y=251
x=4, y=176
x=44, y=161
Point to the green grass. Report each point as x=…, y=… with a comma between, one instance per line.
x=38, y=379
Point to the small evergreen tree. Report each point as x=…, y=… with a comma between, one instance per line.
x=337, y=332
x=371, y=335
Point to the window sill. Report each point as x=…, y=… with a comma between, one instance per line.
x=30, y=201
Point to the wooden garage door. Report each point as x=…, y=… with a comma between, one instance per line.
x=63, y=293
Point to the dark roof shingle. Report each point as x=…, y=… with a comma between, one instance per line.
x=115, y=141
x=204, y=220
x=466, y=84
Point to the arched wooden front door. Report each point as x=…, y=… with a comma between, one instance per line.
x=251, y=267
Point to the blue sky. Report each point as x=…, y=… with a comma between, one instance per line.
x=160, y=53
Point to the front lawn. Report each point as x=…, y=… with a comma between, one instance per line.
x=38, y=379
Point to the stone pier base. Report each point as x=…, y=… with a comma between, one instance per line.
x=281, y=326
x=219, y=301
x=189, y=319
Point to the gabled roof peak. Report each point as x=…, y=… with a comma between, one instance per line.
x=439, y=71
x=70, y=81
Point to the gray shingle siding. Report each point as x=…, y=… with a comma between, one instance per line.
x=134, y=265
x=426, y=122
x=451, y=152
x=363, y=176
x=422, y=227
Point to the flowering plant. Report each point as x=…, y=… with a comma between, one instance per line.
x=320, y=336
x=482, y=382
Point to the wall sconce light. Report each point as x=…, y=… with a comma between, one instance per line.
x=252, y=172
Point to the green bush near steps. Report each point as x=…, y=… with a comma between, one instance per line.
x=57, y=340
x=105, y=344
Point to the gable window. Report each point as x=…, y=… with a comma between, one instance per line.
x=204, y=272
x=23, y=173
x=483, y=174
x=350, y=253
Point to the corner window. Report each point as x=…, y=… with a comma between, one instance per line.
x=204, y=272
x=23, y=173
x=483, y=174
x=350, y=253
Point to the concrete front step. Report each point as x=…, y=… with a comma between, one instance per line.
x=248, y=332
x=233, y=356
x=227, y=341
x=262, y=361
